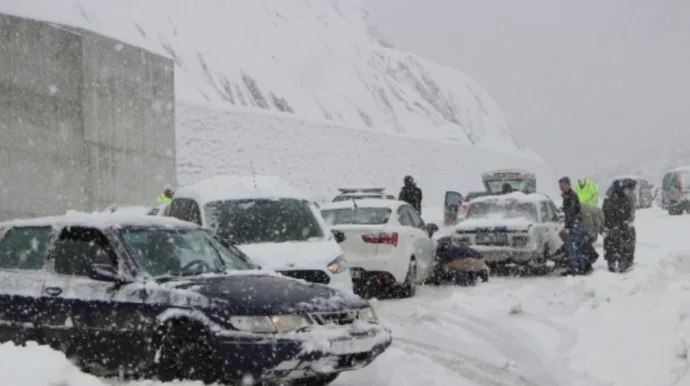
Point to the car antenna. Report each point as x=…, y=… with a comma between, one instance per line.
x=251, y=167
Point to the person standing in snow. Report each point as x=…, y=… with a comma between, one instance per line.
x=411, y=193
x=573, y=228
x=593, y=223
x=587, y=191
x=620, y=237
x=167, y=195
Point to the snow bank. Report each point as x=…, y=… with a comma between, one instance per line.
x=319, y=59
x=317, y=157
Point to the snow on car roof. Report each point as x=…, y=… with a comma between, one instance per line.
x=232, y=187
x=518, y=196
x=680, y=169
x=100, y=220
x=366, y=203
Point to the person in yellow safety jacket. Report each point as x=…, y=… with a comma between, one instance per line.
x=587, y=191
x=166, y=196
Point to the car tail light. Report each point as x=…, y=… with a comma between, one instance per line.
x=382, y=238
x=462, y=208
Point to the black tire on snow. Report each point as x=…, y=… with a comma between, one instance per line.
x=321, y=380
x=409, y=288
x=185, y=354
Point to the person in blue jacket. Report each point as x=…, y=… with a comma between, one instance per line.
x=459, y=263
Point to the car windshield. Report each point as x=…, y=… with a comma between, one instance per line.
x=256, y=221
x=359, y=215
x=179, y=252
x=502, y=209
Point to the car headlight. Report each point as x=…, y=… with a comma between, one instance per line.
x=267, y=324
x=368, y=315
x=338, y=265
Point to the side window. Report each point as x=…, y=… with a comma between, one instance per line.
x=77, y=248
x=178, y=208
x=545, y=215
x=25, y=247
x=417, y=221
x=404, y=217
x=194, y=213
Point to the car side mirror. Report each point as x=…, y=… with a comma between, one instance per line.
x=338, y=235
x=104, y=272
x=431, y=228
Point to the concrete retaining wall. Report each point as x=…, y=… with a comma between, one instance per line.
x=85, y=121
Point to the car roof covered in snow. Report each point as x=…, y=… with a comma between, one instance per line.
x=515, y=196
x=680, y=169
x=366, y=203
x=233, y=187
x=362, y=190
x=101, y=220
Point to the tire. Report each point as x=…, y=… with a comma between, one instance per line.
x=321, y=380
x=185, y=353
x=409, y=288
x=675, y=210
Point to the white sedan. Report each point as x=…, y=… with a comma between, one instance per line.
x=387, y=244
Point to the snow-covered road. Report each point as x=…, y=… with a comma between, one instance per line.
x=603, y=329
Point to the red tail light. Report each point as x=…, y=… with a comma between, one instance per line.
x=462, y=208
x=382, y=238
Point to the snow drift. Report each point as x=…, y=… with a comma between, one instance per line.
x=319, y=59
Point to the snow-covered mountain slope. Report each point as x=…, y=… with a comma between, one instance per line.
x=318, y=157
x=318, y=59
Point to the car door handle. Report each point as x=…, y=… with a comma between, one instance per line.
x=53, y=291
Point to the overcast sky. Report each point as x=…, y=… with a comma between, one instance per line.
x=581, y=82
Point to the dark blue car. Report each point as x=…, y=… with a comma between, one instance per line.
x=155, y=297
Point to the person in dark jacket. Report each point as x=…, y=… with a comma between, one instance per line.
x=573, y=228
x=507, y=188
x=620, y=237
x=411, y=193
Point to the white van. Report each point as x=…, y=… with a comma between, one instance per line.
x=277, y=226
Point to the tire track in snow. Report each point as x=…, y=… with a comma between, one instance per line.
x=473, y=369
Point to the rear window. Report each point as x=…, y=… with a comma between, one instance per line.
x=25, y=247
x=355, y=197
x=254, y=221
x=502, y=210
x=363, y=216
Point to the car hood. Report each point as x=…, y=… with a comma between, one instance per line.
x=493, y=224
x=291, y=255
x=255, y=293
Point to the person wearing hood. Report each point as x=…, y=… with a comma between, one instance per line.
x=587, y=191
x=411, y=193
x=620, y=236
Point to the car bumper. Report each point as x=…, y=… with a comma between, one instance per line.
x=309, y=354
x=364, y=267
x=508, y=254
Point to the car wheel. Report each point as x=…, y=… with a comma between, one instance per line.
x=321, y=380
x=409, y=288
x=185, y=353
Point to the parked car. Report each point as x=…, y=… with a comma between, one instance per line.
x=269, y=220
x=455, y=205
x=675, y=191
x=387, y=244
x=349, y=194
x=144, y=297
x=643, y=195
x=514, y=228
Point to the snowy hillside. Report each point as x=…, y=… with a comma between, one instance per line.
x=318, y=59
x=318, y=157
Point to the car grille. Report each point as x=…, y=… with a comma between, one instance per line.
x=493, y=238
x=338, y=318
x=312, y=276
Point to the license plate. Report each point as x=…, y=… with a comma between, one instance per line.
x=352, y=346
x=492, y=238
